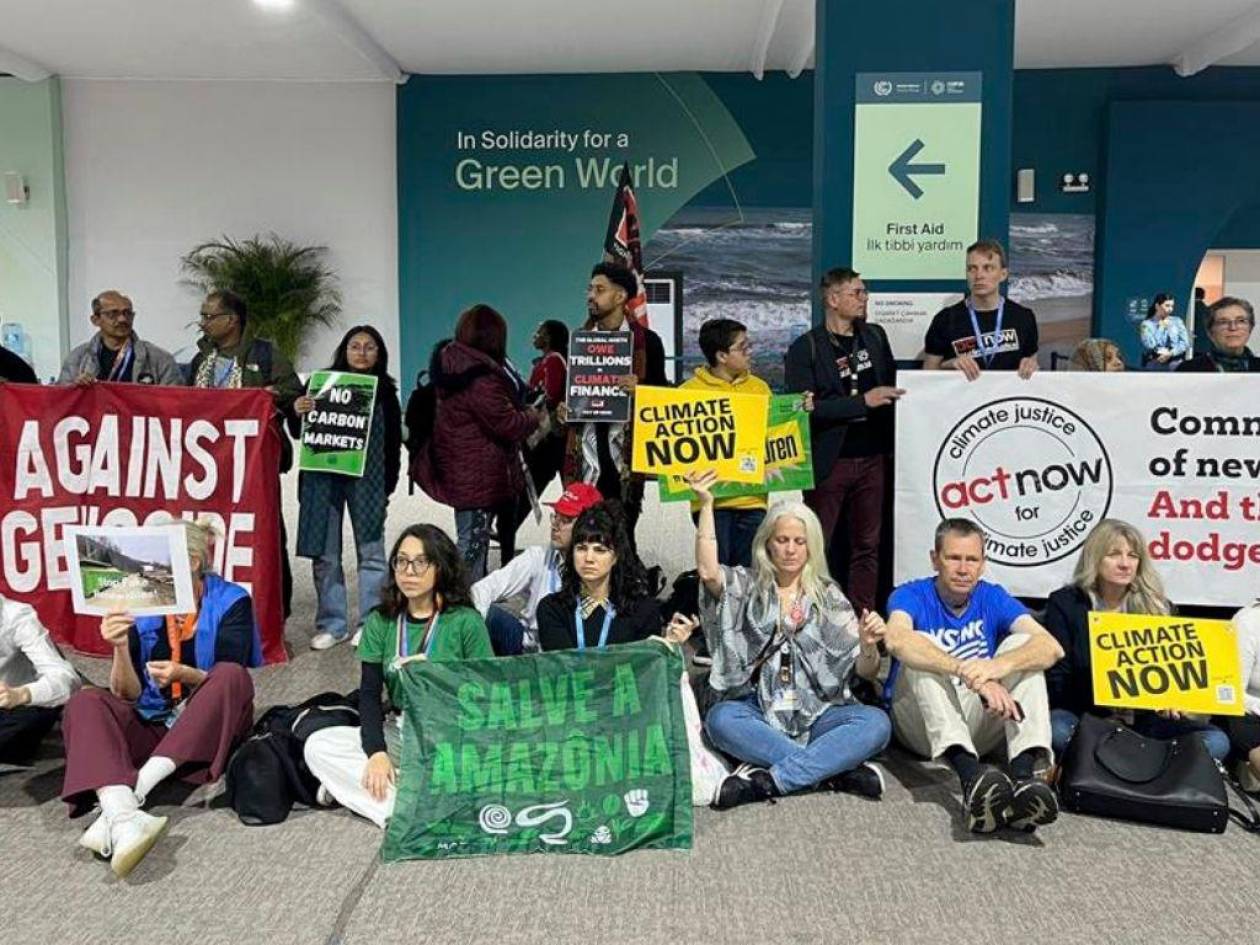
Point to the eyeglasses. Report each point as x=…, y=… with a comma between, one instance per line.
x=1231, y=323
x=116, y=314
x=858, y=293
x=207, y=317
x=416, y=566
x=368, y=348
x=742, y=348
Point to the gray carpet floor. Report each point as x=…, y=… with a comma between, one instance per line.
x=812, y=869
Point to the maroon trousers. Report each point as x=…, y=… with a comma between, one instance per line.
x=853, y=494
x=107, y=741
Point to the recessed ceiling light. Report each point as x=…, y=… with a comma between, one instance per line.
x=276, y=4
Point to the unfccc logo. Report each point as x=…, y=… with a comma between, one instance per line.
x=1031, y=473
x=883, y=87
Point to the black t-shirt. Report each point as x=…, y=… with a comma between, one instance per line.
x=105, y=359
x=557, y=624
x=951, y=334
x=13, y=368
x=872, y=435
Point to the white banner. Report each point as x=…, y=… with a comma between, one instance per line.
x=1038, y=463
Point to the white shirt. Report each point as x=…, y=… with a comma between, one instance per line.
x=537, y=568
x=1247, y=624
x=28, y=657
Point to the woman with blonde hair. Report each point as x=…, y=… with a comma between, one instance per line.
x=179, y=699
x=1114, y=574
x=785, y=641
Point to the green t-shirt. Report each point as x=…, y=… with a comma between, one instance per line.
x=461, y=635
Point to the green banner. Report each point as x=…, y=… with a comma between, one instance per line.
x=916, y=173
x=789, y=459
x=335, y=433
x=562, y=752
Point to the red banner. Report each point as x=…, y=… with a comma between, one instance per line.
x=120, y=454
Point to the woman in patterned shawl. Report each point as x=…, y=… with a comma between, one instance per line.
x=785, y=640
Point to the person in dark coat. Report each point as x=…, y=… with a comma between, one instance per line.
x=325, y=496
x=1230, y=322
x=13, y=368
x=472, y=462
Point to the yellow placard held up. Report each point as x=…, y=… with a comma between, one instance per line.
x=677, y=431
x=1162, y=662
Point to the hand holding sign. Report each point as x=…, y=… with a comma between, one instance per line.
x=702, y=484
x=969, y=366
x=115, y=628
x=882, y=396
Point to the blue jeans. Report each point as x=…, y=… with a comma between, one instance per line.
x=735, y=531
x=507, y=633
x=840, y=739
x=1063, y=726
x=330, y=577
x=472, y=531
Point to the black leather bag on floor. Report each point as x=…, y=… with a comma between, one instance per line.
x=1111, y=771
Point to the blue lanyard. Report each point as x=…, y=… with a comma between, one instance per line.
x=987, y=353
x=221, y=377
x=609, y=612
x=553, y=574
x=426, y=644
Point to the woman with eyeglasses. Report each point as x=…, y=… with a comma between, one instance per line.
x=1230, y=321
x=425, y=612
x=325, y=497
x=604, y=597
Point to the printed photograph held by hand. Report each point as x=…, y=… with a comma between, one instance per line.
x=140, y=570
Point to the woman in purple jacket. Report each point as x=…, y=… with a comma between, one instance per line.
x=472, y=461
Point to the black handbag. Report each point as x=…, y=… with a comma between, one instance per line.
x=1109, y=770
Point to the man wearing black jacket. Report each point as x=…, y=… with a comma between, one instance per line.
x=848, y=366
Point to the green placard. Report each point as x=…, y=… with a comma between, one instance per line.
x=916, y=173
x=789, y=460
x=335, y=433
x=561, y=752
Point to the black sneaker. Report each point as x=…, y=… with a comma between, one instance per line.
x=865, y=780
x=1033, y=805
x=986, y=798
x=745, y=786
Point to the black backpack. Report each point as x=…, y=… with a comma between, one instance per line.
x=268, y=775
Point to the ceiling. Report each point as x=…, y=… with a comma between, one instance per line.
x=380, y=40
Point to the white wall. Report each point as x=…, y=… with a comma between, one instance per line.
x=153, y=168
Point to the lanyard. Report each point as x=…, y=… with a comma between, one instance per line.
x=987, y=353
x=122, y=361
x=609, y=612
x=426, y=644
x=221, y=378
x=553, y=575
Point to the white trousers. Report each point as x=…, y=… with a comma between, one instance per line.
x=335, y=756
x=932, y=711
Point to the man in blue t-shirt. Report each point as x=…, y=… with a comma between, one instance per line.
x=967, y=676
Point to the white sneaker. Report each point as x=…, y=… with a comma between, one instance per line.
x=325, y=640
x=131, y=836
x=354, y=640
x=324, y=798
x=96, y=837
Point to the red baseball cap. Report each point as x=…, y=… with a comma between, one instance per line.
x=576, y=499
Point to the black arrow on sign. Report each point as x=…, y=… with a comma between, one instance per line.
x=901, y=169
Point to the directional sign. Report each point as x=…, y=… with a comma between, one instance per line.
x=916, y=173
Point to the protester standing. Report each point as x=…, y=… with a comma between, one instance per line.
x=325, y=497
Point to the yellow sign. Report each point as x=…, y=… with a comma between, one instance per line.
x=1162, y=662
x=677, y=431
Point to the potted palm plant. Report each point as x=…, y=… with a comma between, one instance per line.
x=289, y=289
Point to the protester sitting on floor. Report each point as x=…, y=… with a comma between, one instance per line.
x=604, y=595
x=116, y=352
x=1244, y=730
x=425, y=613
x=35, y=681
x=1230, y=322
x=536, y=569
x=784, y=641
x=325, y=496
x=967, y=676
x=179, y=699
x=1114, y=574
x=1096, y=354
